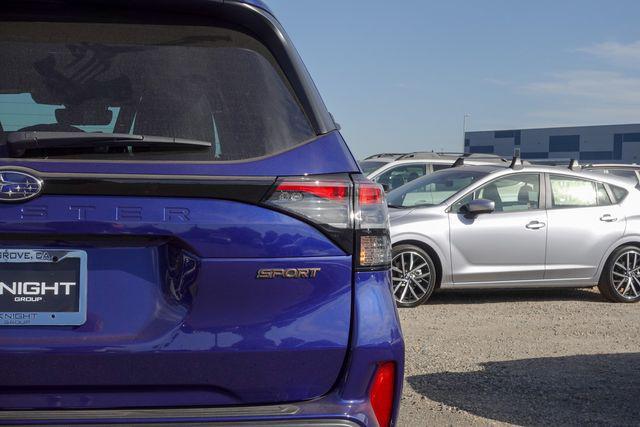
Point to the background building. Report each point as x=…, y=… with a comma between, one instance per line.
x=589, y=144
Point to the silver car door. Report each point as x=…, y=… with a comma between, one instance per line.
x=583, y=224
x=507, y=245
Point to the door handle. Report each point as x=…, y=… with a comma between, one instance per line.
x=608, y=218
x=536, y=225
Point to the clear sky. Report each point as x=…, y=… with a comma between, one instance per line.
x=400, y=75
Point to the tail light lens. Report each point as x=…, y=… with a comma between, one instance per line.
x=382, y=392
x=321, y=201
x=343, y=210
x=372, y=226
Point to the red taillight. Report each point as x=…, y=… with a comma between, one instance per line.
x=332, y=191
x=372, y=226
x=381, y=393
x=370, y=194
x=326, y=202
x=344, y=210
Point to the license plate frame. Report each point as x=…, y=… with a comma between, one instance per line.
x=15, y=259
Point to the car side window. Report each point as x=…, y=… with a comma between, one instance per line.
x=400, y=175
x=512, y=193
x=603, y=195
x=618, y=193
x=570, y=192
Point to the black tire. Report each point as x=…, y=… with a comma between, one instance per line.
x=412, y=284
x=620, y=280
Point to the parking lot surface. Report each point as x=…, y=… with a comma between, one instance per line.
x=554, y=357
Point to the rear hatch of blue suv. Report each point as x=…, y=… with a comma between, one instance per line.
x=185, y=236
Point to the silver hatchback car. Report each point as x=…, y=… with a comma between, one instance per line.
x=522, y=226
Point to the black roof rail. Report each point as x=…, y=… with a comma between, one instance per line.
x=574, y=165
x=417, y=153
x=458, y=163
x=516, y=163
x=377, y=156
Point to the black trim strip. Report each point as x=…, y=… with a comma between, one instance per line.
x=232, y=188
x=241, y=190
x=236, y=188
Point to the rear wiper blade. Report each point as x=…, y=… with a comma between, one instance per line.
x=19, y=142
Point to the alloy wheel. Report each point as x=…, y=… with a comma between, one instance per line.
x=625, y=274
x=412, y=277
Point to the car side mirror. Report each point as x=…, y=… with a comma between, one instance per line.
x=386, y=187
x=478, y=207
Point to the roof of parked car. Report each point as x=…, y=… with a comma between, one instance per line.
x=431, y=155
x=612, y=166
x=577, y=171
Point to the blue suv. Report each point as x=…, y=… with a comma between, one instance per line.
x=186, y=238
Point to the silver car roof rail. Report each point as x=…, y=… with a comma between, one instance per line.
x=427, y=155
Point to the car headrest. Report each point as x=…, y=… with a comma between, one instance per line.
x=523, y=194
x=397, y=181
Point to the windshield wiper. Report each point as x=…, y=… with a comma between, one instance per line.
x=21, y=142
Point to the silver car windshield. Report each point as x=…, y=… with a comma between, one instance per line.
x=433, y=189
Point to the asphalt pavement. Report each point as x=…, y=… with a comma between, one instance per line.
x=553, y=357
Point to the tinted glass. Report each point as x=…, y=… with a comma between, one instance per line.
x=369, y=166
x=567, y=192
x=204, y=83
x=603, y=196
x=619, y=193
x=434, y=189
x=398, y=176
x=513, y=193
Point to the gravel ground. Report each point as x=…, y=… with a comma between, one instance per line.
x=553, y=357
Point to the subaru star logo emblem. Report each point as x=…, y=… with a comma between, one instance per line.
x=16, y=186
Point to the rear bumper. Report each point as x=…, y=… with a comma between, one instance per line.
x=329, y=411
x=376, y=338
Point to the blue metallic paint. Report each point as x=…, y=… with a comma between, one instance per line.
x=210, y=228
x=376, y=337
x=293, y=334
x=176, y=316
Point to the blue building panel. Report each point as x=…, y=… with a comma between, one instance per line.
x=503, y=134
x=564, y=143
x=606, y=143
x=534, y=155
x=631, y=137
x=482, y=149
x=596, y=155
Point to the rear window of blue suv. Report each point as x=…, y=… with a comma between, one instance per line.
x=214, y=85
